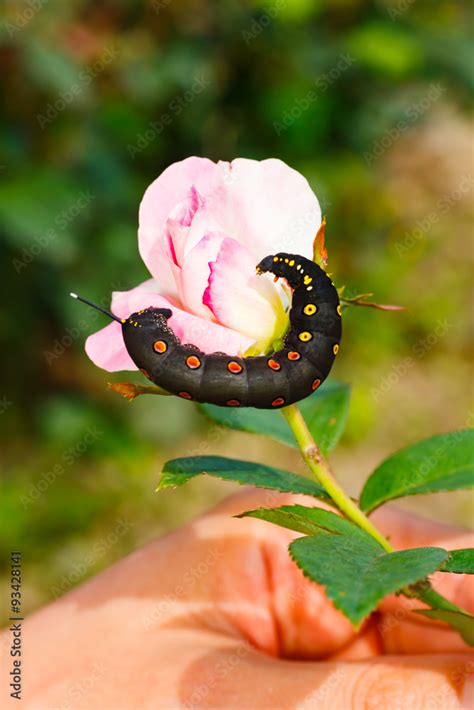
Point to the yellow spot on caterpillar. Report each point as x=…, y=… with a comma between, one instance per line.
x=286, y=261
x=291, y=262
x=123, y=320
x=310, y=309
x=275, y=258
x=298, y=267
x=339, y=310
x=307, y=280
x=335, y=349
x=304, y=336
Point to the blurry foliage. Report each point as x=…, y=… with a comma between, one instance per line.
x=369, y=100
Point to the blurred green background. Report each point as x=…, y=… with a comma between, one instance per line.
x=371, y=101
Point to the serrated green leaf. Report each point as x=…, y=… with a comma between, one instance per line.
x=357, y=575
x=180, y=471
x=325, y=413
x=460, y=561
x=442, y=463
x=310, y=521
x=463, y=623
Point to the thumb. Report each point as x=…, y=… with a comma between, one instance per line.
x=390, y=682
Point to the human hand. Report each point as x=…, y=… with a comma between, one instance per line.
x=217, y=615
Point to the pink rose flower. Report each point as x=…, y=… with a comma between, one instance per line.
x=203, y=227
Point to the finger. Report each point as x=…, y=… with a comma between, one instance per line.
x=263, y=594
x=220, y=675
x=401, y=631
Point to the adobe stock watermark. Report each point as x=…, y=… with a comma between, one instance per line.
x=98, y=550
x=420, y=349
x=399, y=8
x=79, y=689
x=258, y=25
x=411, y=114
x=24, y=16
x=67, y=459
x=62, y=344
x=5, y=404
x=442, y=207
x=226, y=665
x=85, y=77
x=61, y=221
x=164, y=607
x=174, y=108
x=319, y=87
x=159, y=5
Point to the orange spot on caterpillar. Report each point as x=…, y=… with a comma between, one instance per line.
x=233, y=403
x=144, y=372
x=184, y=395
x=293, y=355
x=160, y=346
x=193, y=362
x=315, y=384
x=278, y=402
x=273, y=364
x=235, y=368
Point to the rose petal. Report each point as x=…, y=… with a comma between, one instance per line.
x=106, y=349
x=242, y=300
x=159, y=203
x=178, y=223
x=266, y=206
x=194, y=276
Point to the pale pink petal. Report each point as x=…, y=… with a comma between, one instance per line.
x=266, y=206
x=107, y=349
x=160, y=200
x=208, y=336
x=178, y=223
x=239, y=298
x=194, y=275
x=126, y=302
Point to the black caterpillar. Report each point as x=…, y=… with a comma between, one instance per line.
x=265, y=382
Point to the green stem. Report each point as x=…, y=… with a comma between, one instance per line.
x=425, y=592
x=320, y=468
